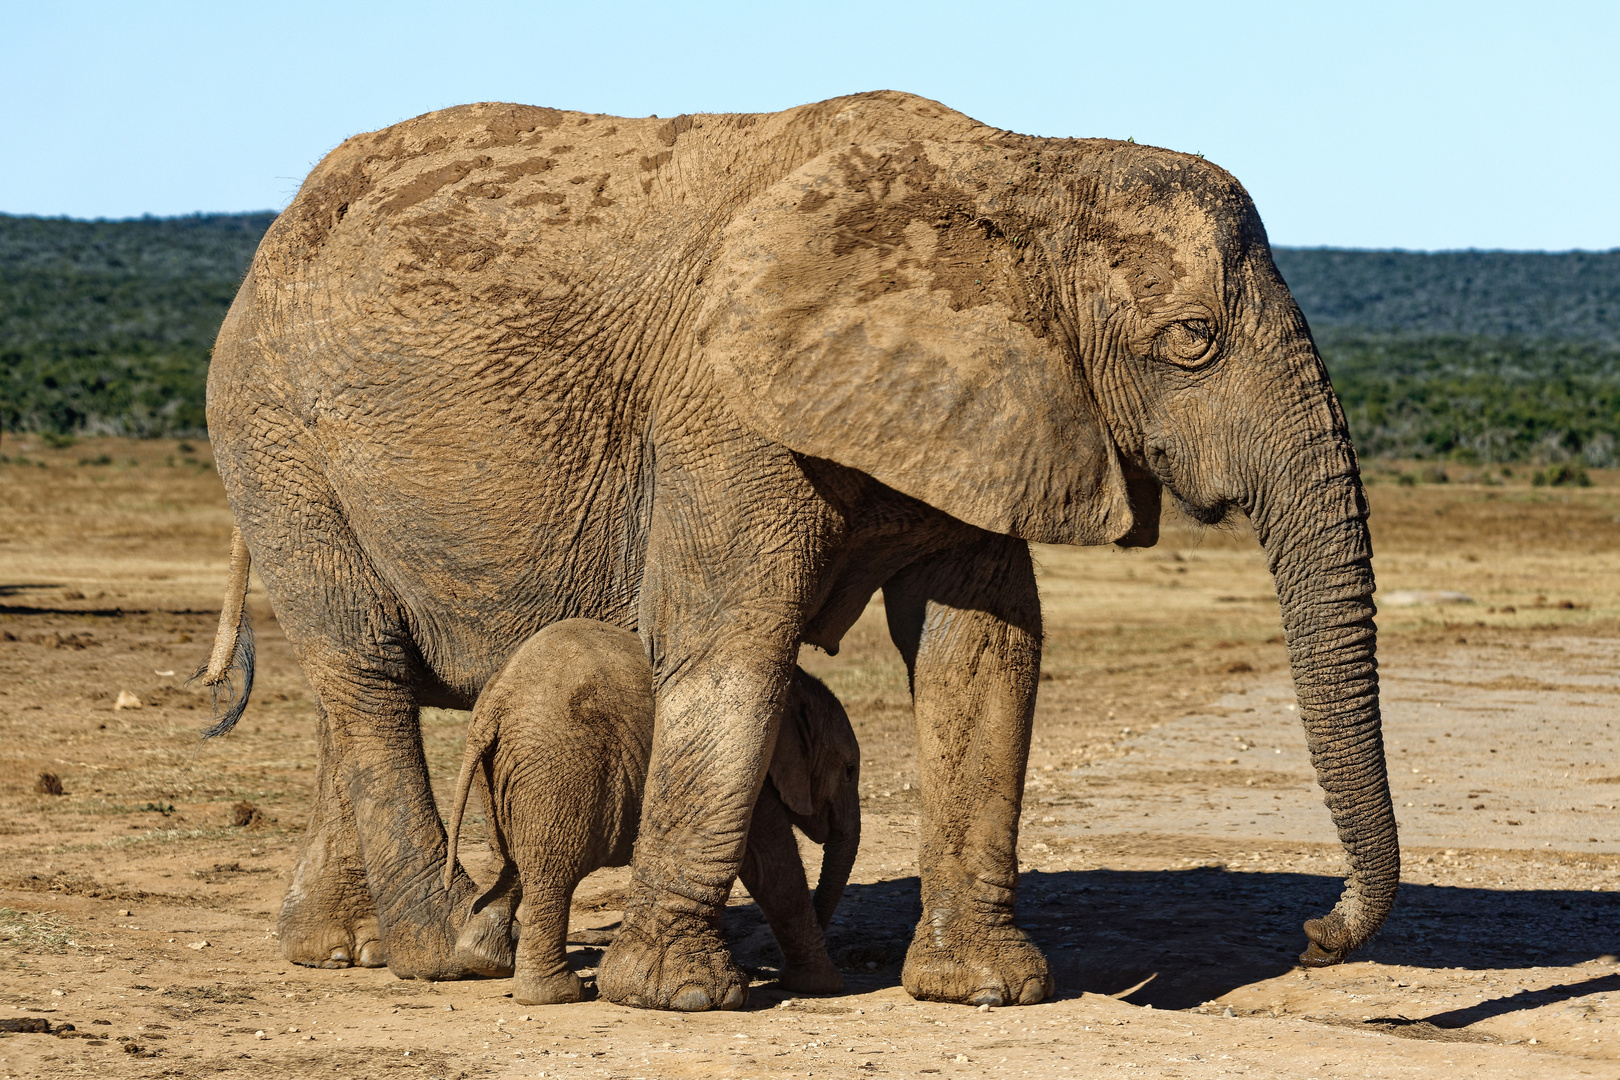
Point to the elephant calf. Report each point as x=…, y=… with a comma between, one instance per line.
x=560, y=741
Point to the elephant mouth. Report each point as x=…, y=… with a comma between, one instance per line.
x=1216, y=515
x=1160, y=471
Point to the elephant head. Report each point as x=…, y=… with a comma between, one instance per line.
x=816, y=769
x=1038, y=337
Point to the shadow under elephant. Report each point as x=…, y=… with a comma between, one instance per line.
x=1175, y=939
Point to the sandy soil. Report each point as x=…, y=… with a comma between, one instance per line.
x=1173, y=837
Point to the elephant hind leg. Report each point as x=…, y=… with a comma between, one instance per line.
x=379, y=823
x=327, y=918
x=487, y=939
x=542, y=975
x=367, y=889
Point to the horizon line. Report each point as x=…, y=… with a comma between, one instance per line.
x=198, y=214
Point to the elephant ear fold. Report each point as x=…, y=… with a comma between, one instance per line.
x=790, y=761
x=878, y=309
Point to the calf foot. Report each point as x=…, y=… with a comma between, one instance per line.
x=817, y=976
x=559, y=988
x=687, y=968
x=953, y=960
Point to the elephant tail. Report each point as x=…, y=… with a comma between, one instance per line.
x=480, y=737
x=229, y=671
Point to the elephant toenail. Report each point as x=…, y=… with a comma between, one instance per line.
x=372, y=955
x=736, y=998
x=340, y=956
x=991, y=998
x=691, y=999
x=1034, y=991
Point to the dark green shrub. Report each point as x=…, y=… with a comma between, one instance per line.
x=1563, y=474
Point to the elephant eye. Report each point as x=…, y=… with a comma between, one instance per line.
x=852, y=770
x=1188, y=342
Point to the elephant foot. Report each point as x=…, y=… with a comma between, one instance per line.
x=332, y=944
x=425, y=926
x=687, y=969
x=975, y=965
x=561, y=988
x=819, y=976
x=487, y=944
x=327, y=919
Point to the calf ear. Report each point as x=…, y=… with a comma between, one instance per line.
x=878, y=308
x=790, y=762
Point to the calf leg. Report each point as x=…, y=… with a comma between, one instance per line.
x=774, y=875
x=542, y=976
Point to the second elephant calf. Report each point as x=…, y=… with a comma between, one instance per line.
x=560, y=741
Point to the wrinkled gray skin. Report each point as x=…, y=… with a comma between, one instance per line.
x=719, y=379
x=559, y=744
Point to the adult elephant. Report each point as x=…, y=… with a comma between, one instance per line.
x=719, y=379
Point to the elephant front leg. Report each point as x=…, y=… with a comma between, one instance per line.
x=968, y=624
x=715, y=730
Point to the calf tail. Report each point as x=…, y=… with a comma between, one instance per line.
x=479, y=739
x=233, y=647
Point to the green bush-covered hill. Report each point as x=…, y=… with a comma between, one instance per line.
x=1568, y=296
x=105, y=326
x=1469, y=355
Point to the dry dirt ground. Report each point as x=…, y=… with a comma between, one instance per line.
x=1173, y=839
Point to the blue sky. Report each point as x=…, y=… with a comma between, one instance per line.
x=1415, y=125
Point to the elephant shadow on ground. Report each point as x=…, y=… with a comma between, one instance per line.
x=1183, y=937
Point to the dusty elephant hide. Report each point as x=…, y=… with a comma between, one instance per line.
x=718, y=379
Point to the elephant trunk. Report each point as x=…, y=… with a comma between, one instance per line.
x=838, y=855
x=1311, y=518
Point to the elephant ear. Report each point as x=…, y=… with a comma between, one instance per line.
x=877, y=308
x=790, y=762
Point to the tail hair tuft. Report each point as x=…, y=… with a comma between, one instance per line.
x=233, y=686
